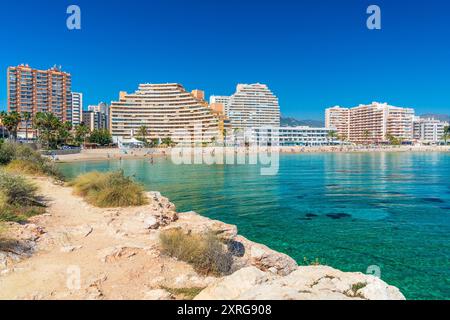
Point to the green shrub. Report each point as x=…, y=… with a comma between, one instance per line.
x=6, y=153
x=206, y=252
x=18, y=198
x=23, y=159
x=109, y=190
x=184, y=293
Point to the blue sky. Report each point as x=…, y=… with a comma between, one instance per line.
x=312, y=53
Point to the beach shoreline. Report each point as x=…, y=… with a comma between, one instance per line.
x=147, y=153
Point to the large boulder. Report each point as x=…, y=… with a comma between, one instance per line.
x=305, y=283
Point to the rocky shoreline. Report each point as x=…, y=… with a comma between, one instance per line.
x=76, y=251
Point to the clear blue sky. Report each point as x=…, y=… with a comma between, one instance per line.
x=313, y=53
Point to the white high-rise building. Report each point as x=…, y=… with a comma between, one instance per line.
x=77, y=108
x=428, y=130
x=251, y=106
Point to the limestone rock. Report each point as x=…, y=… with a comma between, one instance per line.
x=157, y=294
x=306, y=283
x=67, y=249
x=233, y=286
x=267, y=259
x=151, y=223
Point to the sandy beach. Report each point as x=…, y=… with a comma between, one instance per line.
x=118, y=154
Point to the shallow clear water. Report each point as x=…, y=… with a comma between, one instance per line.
x=350, y=211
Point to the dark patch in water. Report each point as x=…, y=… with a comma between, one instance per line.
x=435, y=200
x=446, y=208
x=311, y=215
x=392, y=192
x=301, y=197
x=336, y=216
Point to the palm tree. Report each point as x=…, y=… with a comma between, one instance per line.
x=11, y=122
x=48, y=126
x=27, y=117
x=81, y=132
x=224, y=133
x=446, y=134
x=2, y=115
x=167, y=141
x=366, y=135
x=331, y=135
x=142, y=132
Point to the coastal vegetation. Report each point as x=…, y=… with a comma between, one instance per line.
x=51, y=132
x=101, y=137
x=206, y=252
x=109, y=190
x=446, y=136
x=11, y=122
x=18, y=198
x=21, y=158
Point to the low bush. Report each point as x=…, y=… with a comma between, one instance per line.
x=109, y=190
x=18, y=198
x=21, y=158
x=206, y=252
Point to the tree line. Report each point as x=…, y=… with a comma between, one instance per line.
x=51, y=132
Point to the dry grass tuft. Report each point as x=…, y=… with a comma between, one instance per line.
x=109, y=190
x=206, y=252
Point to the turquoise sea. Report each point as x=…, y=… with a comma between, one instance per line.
x=350, y=211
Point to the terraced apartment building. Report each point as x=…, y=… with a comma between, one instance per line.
x=429, y=130
x=167, y=111
x=372, y=123
x=31, y=90
x=251, y=106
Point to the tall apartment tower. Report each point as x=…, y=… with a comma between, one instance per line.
x=166, y=110
x=337, y=118
x=372, y=123
x=31, y=90
x=251, y=106
x=77, y=108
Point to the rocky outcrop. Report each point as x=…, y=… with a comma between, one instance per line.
x=118, y=253
x=305, y=283
x=23, y=244
x=245, y=252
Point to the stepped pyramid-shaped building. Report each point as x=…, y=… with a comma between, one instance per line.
x=165, y=109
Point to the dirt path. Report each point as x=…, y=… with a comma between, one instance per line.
x=91, y=253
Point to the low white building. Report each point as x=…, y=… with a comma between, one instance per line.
x=428, y=130
x=296, y=136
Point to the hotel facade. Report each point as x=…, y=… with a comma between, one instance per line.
x=167, y=111
x=31, y=90
x=251, y=106
x=373, y=123
x=429, y=130
x=294, y=136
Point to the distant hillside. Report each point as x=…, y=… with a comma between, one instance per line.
x=292, y=122
x=442, y=117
